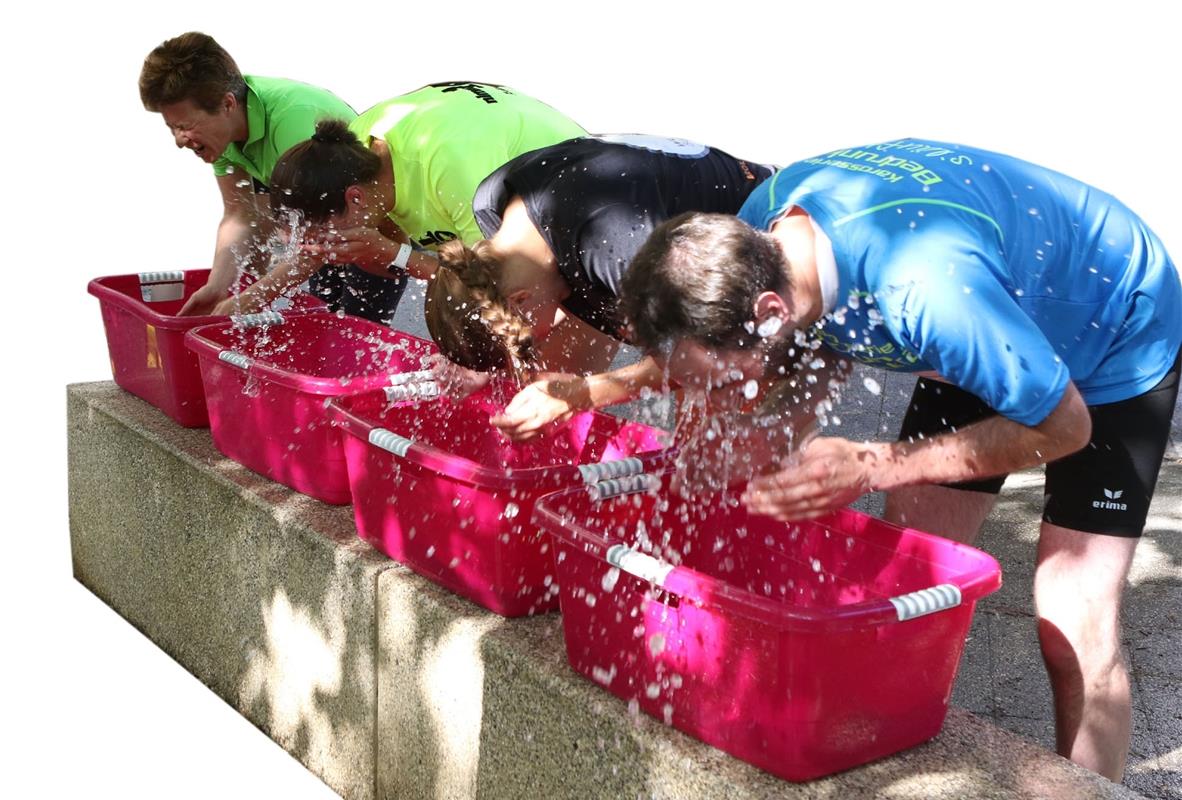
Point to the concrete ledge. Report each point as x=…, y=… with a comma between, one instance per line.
x=385, y=685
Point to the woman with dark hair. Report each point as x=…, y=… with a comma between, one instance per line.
x=368, y=196
x=564, y=223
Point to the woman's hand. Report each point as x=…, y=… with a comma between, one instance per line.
x=365, y=247
x=455, y=381
x=548, y=402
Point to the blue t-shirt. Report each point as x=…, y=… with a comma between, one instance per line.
x=1005, y=278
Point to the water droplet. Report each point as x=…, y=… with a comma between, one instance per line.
x=656, y=644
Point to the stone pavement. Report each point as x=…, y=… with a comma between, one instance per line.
x=1002, y=676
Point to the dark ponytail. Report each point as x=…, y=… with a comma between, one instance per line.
x=312, y=176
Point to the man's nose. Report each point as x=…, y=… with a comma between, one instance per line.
x=181, y=138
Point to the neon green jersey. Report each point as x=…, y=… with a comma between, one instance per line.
x=444, y=140
x=279, y=113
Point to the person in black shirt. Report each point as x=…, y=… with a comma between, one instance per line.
x=541, y=293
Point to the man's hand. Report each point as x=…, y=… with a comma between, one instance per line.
x=202, y=302
x=546, y=403
x=827, y=474
x=368, y=248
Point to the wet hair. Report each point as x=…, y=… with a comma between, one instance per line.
x=191, y=66
x=470, y=319
x=312, y=176
x=697, y=277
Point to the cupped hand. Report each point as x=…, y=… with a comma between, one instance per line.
x=455, y=381
x=366, y=247
x=827, y=474
x=202, y=302
x=547, y=403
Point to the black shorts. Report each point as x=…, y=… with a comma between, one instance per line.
x=1104, y=487
x=351, y=289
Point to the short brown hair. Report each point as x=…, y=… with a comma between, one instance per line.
x=312, y=176
x=191, y=66
x=468, y=316
x=697, y=277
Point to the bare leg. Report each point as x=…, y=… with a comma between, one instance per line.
x=955, y=514
x=1078, y=584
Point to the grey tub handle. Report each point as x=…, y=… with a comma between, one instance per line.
x=390, y=442
x=258, y=320
x=631, y=484
x=641, y=565
x=425, y=390
x=617, y=468
x=926, y=601
x=234, y=359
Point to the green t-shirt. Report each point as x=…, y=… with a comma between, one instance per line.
x=279, y=114
x=445, y=139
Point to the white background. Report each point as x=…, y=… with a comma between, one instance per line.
x=92, y=185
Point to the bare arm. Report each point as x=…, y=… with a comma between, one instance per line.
x=832, y=472
x=555, y=398
x=239, y=233
x=372, y=250
x=281, y=280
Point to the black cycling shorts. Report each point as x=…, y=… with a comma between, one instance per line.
x=1104, y=487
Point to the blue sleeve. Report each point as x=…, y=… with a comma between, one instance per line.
x=763, y=204
x=942, y=291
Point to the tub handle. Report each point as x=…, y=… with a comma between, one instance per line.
x=419, y=376
x=423, y=390
x=159, y=287
x=258, y=320
x=390, y=442
x=641, y=565
x=926, y=601
x=616, y=468
x=234, y=359
x=170, y=276
x=615, y=487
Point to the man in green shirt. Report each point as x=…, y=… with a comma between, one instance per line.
x=402, y=173
x=239, y=124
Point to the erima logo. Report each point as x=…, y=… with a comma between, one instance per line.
x=1110, y=504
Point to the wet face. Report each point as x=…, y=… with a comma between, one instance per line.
x=539, y=313
x=206, y=134
x=725, y=375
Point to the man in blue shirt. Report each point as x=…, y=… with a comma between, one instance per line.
x=1042, y=316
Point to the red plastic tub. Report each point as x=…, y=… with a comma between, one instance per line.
x=146, y=340
x=802, y=648
x=438, y=488
x=268, y=387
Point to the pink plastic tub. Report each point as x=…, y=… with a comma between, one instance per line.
x=803, y=648
x=437, y=488
x=268, y=387
x=146, y=340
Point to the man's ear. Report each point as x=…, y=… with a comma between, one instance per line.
x=770, y=312
x=229, y=102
